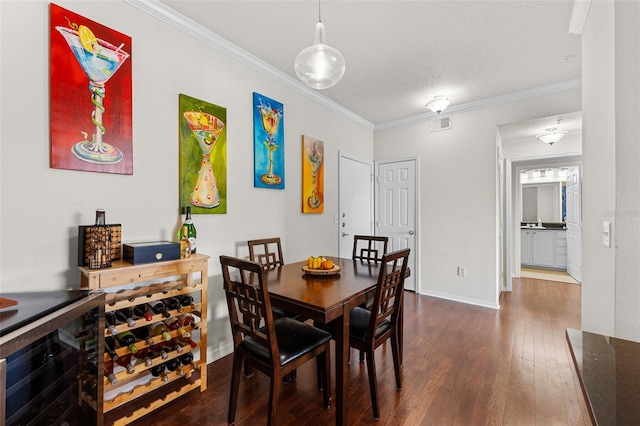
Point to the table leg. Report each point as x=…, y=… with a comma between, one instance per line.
x=342, y=359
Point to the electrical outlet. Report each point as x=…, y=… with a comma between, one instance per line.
x=462, y=271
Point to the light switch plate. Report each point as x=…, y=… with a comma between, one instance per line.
x=606, y=234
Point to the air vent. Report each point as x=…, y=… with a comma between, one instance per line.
x=440, y=123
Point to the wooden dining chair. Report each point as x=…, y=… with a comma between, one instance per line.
x=369, y=329
x=275, y=347
x=367, y=247
x=267, y=252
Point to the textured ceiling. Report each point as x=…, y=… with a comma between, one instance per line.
x=399, y=54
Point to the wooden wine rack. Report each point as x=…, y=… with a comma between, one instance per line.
x=182, y=276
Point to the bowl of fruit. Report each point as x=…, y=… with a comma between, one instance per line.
x=320, y=265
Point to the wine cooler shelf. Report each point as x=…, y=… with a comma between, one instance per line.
x=153, y=346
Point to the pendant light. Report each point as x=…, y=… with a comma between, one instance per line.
x=320, y=66
x=438, y=104
x=551, y=136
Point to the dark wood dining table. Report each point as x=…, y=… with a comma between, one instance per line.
x=326, y=298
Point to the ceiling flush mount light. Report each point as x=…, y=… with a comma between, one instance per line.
x=438, y=104
x=551, y=136
x=320, y=66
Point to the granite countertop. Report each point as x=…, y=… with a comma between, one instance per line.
x=545, y=225
x=609, y=372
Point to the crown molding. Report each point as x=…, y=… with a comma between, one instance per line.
x=486, y=103
x=169, y=16
x=579, y=16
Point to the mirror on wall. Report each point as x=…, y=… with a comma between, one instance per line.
x=543, y=195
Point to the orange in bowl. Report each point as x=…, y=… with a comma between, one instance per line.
x=327, y=264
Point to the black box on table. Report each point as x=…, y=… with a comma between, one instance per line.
x=150, y=252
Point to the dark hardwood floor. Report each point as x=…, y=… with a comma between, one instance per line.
x=463, y=365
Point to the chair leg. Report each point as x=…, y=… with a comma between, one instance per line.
x=274, y=396
x=236, y=371
x=325, y=360
x=361, y=356
x=373, y=384
x=397, y=359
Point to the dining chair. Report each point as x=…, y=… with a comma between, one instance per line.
x=367, y=247
x=275, y=347
x=267, y=252
x=369, y=329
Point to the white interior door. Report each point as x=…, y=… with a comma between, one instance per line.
x=574, y=225
x=396, y=210
x=355, y=214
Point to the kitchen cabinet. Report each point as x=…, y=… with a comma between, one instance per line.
x=544, y=248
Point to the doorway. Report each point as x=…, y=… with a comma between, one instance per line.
x=396, y=210
x=355, y=206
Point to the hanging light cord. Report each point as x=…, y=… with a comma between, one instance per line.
x=319, y=14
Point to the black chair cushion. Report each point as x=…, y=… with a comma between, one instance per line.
x=358, y=324
x=295, y=338
x=281, y=313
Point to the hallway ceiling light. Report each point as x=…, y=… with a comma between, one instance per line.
x=551, y=136
x=320, y=66
x=438, y=104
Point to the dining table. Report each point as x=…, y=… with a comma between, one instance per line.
x=322, y=296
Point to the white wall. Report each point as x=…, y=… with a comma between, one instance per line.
x=611, y=107
x=41, y=208
x=458, y=192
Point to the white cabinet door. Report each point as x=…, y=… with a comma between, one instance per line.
x=543, y=248
x=526, y=247
x=561, y=250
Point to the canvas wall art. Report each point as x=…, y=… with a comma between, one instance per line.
x=312, y=175
x=268, y=143
x=203, y=156
x=91, y=95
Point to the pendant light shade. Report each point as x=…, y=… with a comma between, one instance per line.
x=438, y=104
x=320, y=66
x=551, y=136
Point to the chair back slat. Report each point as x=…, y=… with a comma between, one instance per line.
x=367, y=247
x=248, y=302
x=267, y=252
x=388, y=296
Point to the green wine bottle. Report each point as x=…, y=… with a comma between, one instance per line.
x=191, y=229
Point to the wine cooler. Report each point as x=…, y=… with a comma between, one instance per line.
x=49, y=345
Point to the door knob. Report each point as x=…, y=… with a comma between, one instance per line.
x=410, y=232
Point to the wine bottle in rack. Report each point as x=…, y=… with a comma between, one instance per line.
x=158, y=350
x=160, y=329
x=174, y=345
x=127, y=339
x=186, y=300
x=173, y=304
x=143, y=354
x=172, y=364
x=186, y=359
x=159, y=308
x=125, y=361
x=142, y=333
x=140, y=311
x=157, y=369
x=190, y=232
x=124, y=316
x=108, y=372
x=187, y=320
x=174, y=324
x=110, y=320
x=188, y=341
x=110, y=347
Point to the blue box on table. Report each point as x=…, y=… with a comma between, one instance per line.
x=150, y=252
